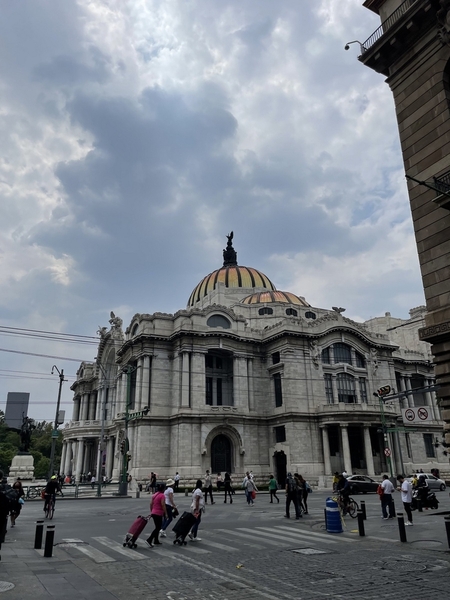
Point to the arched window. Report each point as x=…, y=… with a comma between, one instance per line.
x=221, y=454
x=310, y=315
x=218, y=321
x=265, y=311
x=342, y=353
x=291, y=312
x=326, y=356
x=134, y=330
x=346, y=388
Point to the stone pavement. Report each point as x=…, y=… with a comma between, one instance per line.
x=275, y=559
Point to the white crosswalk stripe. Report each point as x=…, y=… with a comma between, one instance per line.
x=258, y=538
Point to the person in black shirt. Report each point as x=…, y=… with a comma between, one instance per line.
x=51, y=490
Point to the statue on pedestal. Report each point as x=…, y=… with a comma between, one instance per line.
x=28, y=426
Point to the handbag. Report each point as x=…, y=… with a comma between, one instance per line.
x=21, y=501
x=253, y=494
x=175, y=512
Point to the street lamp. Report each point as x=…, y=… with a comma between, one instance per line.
x=102, y=432
x=55, y=430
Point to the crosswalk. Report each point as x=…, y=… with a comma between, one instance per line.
x=102, y=549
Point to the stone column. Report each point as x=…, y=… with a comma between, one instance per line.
x=145, y=398
x=68, y=464
x=335, y=389
x=63, y=458
x=84, y=407
x=139, y=378
x=198, y=380
x=368, y=452
x=185, y=380
x=109, y=457
x=92, y=407
x=76, y=409
x=118, y=406
x=87, y=457
x=251, y=389
x=346, y=449
x=403, y=401
x=408, y=389
x=326, y=450
x=80, y=459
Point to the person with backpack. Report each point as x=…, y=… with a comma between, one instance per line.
x=17, y=505
x=292, y=496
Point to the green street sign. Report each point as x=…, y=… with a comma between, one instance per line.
x=55, y=433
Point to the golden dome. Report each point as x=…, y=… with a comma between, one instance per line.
x=274, y=296
x=232, y=276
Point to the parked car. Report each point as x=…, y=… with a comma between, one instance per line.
x=361, y=484
x=433, y=482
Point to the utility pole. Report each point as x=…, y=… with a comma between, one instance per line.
x=55, y=430
x=123, y=484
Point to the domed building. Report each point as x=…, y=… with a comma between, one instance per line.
x=248, y=377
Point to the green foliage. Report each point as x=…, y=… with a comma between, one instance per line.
x=40, y=448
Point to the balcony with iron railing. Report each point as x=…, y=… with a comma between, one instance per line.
x=442, y=183
x=387, y=24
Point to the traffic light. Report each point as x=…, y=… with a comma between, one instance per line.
x=384, y=391
x=122, y=446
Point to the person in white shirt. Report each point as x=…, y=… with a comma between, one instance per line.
x=170, y=507
x=406, y=490
x=197, y=507
x=386, y=498
x=208, y=487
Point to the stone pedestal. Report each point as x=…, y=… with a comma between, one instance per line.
x=22, y=466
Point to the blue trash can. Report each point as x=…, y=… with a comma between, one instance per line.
x=334, y=523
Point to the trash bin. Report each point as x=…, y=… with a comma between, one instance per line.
x=333, y=514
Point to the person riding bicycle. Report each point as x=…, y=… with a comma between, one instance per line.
x=344, y=489
x=51, y=490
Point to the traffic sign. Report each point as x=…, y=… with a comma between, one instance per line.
x=420, y=414
x=410, y=415
x=387, y=451
x=55, y=433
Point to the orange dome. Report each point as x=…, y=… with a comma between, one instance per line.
x=274, y=296
x=232, y=276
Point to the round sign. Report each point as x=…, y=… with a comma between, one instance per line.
x=422, y=413
x=387, y=451
x=410, y=415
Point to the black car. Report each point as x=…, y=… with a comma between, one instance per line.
x=361, y=484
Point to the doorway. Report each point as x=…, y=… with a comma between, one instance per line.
x=221, y=452
x=280, y=462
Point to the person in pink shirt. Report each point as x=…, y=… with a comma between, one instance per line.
x=158, y=511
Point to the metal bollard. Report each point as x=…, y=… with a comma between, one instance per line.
x=363, y=508
x=49, y=537
x=447, y=529
x=360, y=515
x=392, y=508
x=38, y=535
x=401, y=527
x=185, y=491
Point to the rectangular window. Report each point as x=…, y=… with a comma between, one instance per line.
x=346, y=388
x=329, y=388
x=278, y=390
x=218, y=363
x=363, y=390
x=209, y=391
x=209, y=361
x=275, y=358
x=219, y=392
x=280, y=434
x=326, y=356
x=429, y=445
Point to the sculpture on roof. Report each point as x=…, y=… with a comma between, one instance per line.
x=229, y=253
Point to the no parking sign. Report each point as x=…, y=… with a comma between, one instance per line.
x=418, y=414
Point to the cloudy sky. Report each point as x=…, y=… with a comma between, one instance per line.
x=136, y=134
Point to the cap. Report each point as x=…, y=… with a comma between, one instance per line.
x=170, y=482
x=53, y=477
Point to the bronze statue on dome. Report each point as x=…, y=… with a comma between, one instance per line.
x=229, y=253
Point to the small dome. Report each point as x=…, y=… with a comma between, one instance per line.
x=232, y=277
x=274, y=296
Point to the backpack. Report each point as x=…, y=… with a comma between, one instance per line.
x=292, y=485
x=308, y=488
x=9, y=497
x=380, y=490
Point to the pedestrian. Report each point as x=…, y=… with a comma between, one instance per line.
x=250, y=491
x=219, y=482
x=335, y=481
x=227, y=486
x=197, y=508
x=17, y=506
x=158, y=510
x=170, y=506
x=273, y=487
x=153, y=482
x=291, y=496
x=93, y=481
x=4, y=507
x=304, y=488
x=176, y=480
x=208, y=487
x=406, y=490
x=344, y=474
x=387, y=504
x=422, y=492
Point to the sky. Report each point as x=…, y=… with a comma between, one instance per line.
x=136, y=134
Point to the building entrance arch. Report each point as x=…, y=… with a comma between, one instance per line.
x=221, y=454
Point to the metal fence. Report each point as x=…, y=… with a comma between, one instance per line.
x=387, y=24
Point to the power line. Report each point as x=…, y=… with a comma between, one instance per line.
x=22, y=331
x=79, y=360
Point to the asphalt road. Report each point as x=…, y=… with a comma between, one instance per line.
x=251, y=551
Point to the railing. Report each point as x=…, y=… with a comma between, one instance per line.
x=387, y=24
x=442, y=183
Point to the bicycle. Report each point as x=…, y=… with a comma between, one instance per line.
x=34, y=491
x=350, y=508
x=50, y=507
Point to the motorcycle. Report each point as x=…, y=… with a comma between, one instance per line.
x=429, y=502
